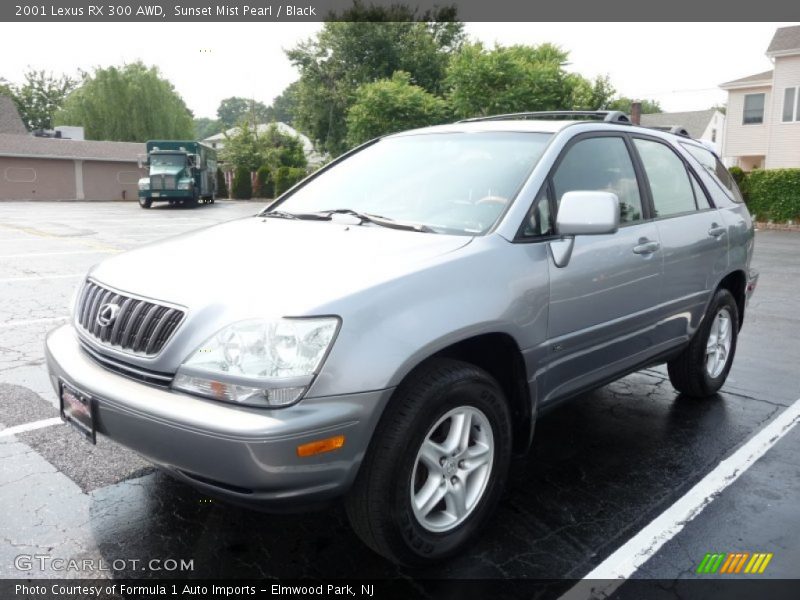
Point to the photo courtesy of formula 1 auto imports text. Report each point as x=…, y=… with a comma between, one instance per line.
x=399, y=300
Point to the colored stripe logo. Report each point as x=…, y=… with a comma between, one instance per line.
x=734, y=562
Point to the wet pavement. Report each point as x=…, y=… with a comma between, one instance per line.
x=602, y=467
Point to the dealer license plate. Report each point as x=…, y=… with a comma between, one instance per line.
x=77, y=409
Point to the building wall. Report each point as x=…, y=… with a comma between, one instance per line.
x=746, y=140
x=36, y=179
x=55, y=179
x=784, y=141
x=716, y=124
x=111, y=180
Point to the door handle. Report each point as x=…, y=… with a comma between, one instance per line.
x=646, y=247
x=716, y=231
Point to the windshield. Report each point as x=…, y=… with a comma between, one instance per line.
x=450, y=182
x=168, y=160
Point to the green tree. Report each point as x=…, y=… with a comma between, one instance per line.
x=133, y=103
x=205, y=127
x=518, y=78
x=40, y=97
x=286, y=177
x=284, y=105
x=6, y=89
x=390, y=105
x=623, y=103
x=234, y=110
x=242, y=187
x=265, y=186
x=222, y=185
x=373, y=44
x=251, y=149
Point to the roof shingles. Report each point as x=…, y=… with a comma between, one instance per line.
x=786, y=39
x=10, y=121
x=695, y=121
x=35, y=147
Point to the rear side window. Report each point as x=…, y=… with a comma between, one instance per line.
x=669, y=181
x=716, y=169
x=600, y=164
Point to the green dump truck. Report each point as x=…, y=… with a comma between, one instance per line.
x=181, y=172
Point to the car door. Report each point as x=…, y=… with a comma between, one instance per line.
x=604, y=302
x=693, y=235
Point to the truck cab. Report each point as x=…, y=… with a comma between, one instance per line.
x=180, y=172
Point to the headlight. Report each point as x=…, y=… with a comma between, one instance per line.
x=259, y=363
x=184, y=185
x=144, y=184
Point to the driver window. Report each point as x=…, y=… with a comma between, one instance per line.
x=601, y=164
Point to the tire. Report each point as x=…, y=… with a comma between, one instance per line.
x=696, y=372
x=145, y=202
x=193, y=200
x=379, y=506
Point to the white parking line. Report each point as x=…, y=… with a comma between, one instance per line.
x=21, y=322
x=38, y=277
x=613, y=571
x=30, y=426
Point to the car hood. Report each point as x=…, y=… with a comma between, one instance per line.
x=271, y=267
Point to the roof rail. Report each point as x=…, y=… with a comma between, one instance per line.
x=676, y=129
x=608, y=116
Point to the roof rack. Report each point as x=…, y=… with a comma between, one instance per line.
x=608, y=116
x=676, y=129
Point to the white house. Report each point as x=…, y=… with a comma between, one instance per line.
x=708, y=125
x=312, y=156
x=763, y=116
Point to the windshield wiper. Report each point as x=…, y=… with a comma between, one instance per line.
x=282, y=214
x=376, y=219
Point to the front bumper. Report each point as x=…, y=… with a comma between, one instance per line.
x=245, y=455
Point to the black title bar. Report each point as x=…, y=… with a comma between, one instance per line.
x=467, y=10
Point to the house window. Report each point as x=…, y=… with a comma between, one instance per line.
x=753, y=109
x=790, y=100
x=714, y=135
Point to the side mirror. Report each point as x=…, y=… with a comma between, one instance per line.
x=588, y=213
x=583, y=213
x=143, y=160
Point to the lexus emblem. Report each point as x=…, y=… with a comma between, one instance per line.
x=107, y=313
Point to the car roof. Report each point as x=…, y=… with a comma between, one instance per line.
x=551, y=126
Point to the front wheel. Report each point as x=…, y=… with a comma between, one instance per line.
x=436, y=466
x=702, y=368
x=145, y=202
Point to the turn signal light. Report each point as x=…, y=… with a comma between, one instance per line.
x=320, y=446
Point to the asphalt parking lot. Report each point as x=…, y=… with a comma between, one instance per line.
x=603, y=468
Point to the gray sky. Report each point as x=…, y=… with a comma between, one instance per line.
x=678, y=64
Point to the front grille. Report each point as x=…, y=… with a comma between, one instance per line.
x=162, y=182
x=138, y=326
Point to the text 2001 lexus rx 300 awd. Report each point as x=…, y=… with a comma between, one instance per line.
x=388, y=329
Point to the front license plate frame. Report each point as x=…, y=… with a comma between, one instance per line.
x=77, y=409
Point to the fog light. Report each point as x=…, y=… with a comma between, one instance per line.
x=320, y=446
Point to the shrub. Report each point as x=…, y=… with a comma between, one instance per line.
x=242, y=185
x=286, y=177
x=265, y=186
x=738, y=175
x=774, y=195
x=222, y=186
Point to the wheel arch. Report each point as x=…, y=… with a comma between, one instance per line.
x=498, y=354
x=736, y=283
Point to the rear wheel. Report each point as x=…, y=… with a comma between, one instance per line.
x=702, y=368
x=436, y=466
x=145, y=202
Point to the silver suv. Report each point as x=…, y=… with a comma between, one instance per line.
x=388, y=330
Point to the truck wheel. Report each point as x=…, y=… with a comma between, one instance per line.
x=701, y=369
x=145, y=202
x=436, y=466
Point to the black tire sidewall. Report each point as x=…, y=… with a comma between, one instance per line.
x=722, y=299
x=423, y=545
